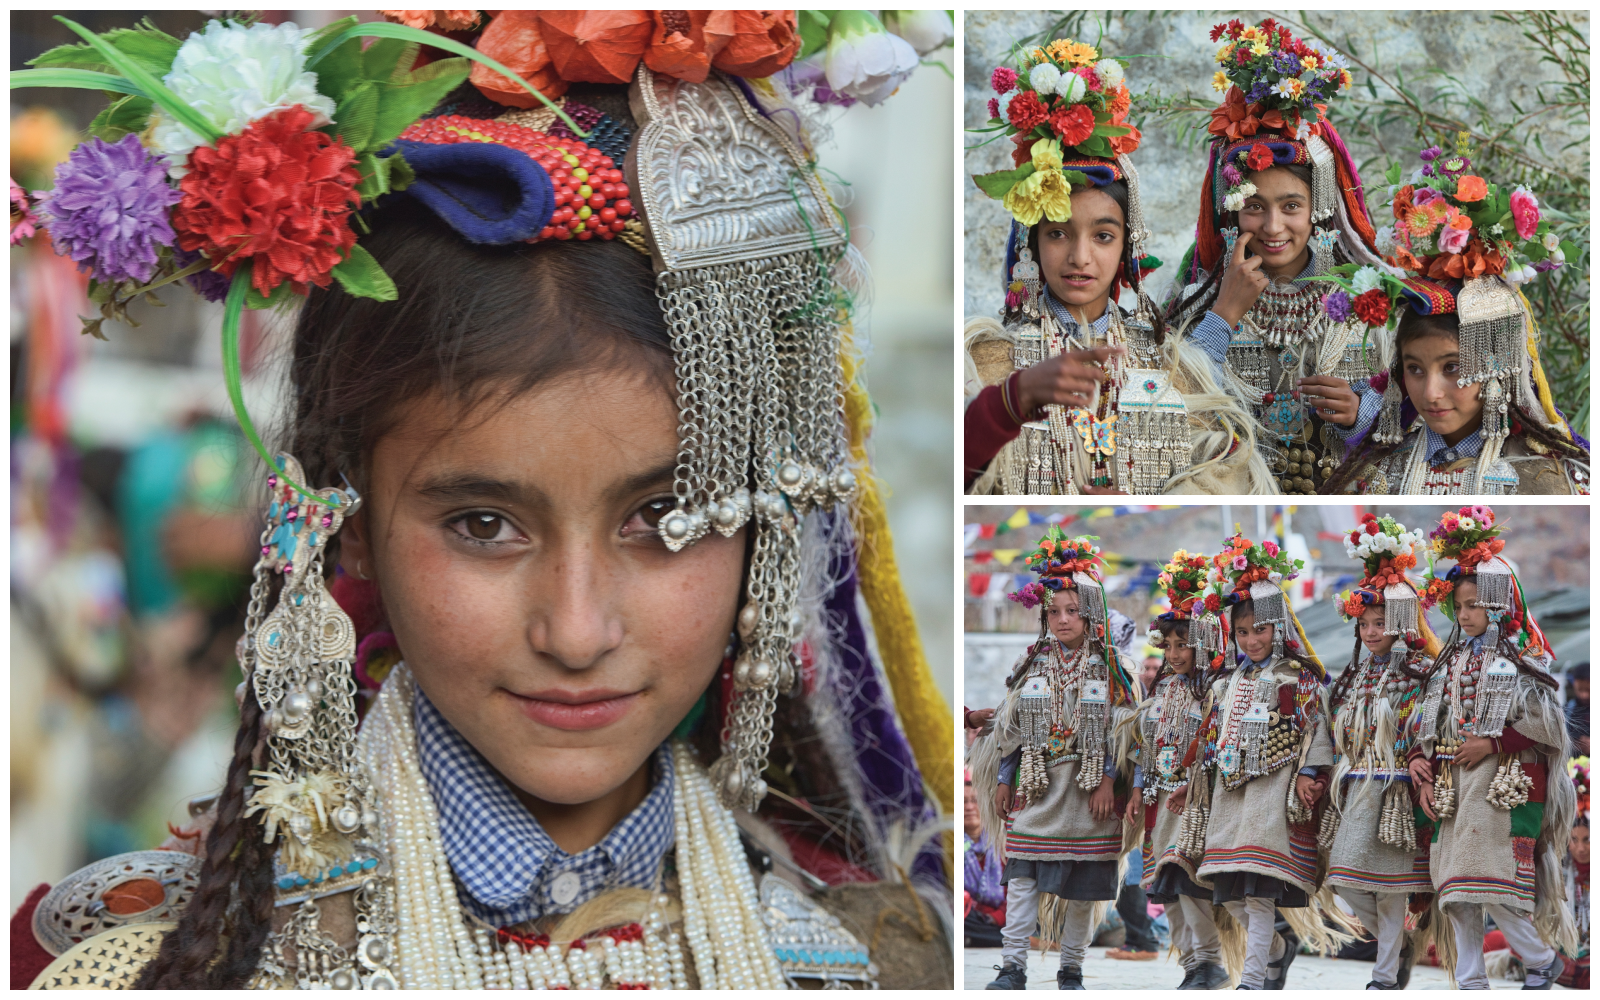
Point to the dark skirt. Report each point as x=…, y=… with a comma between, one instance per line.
x=1091, y=880
x=1171, y=882
x=1250, y=885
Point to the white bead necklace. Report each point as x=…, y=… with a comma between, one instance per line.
x=439, y=949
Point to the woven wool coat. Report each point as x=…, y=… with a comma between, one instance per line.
x=1162, y=824
x=1484, y=854
x=1249, y=828
x=1358, y=858
x=1537, y=475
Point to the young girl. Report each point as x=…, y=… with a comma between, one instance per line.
x=1061, y=748
x=598, y=514
x=1168, y=721
x=1249, y=819
x=1376, y=856
x=1489, y=756
x=1071, y=393
x=1465, y=407
x=1280, y=206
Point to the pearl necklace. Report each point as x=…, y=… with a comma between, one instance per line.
x=439, y=949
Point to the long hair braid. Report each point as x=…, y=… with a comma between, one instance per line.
x=236, y=855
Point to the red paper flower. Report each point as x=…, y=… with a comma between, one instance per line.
x=1074, y=124
x=276, y=195
x=1027, y=111
x=1372, y=307
x=595, y=46
x=1260, y=157
x=1213, y=602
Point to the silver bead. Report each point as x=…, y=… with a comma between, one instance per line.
x=790, y=474
x=344, y=979
x=346, y=819
x=295, y=706
x=314, y=689
x=676, y=525
x=369, y=818
x=300, y=825
x=375, y=950
x=844, y=482
x=749, y=618
x=760, y=674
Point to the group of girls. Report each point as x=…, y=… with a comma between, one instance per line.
x=1303, y=349
x=1425, y=786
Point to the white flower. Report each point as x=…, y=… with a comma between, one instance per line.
x=1557, y=256
x=1005, y=104
x=1234, y=201
x=1385, y=240
x=1303, y=130
x=1275, y=577
x=1497, y=230
x=863, y=60
x=1365, y=280
x=1467, y=524
x=1071, y=87
x=1551, y=241
x=1416, y=176
x=926, y=30
x=232, y=75
x=1044, y=78
x=1110, y=73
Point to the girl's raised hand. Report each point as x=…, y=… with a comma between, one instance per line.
x=1242, y=283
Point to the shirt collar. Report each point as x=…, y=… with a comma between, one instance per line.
x=1440, y=453
x=1065, y=318
x=1477, y=642
x=508, y=869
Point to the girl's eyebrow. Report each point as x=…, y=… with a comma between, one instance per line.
x=466, y=487
x=631, y=486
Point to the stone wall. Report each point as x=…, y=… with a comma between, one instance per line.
x=1173, y=55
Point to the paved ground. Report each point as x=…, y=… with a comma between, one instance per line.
x=1101, y=973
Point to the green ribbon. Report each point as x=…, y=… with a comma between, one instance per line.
x=233, y=312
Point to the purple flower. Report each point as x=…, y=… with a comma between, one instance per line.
x=1337, y=305
x=1545, y=265
x=208, y=284
x=1259, y=92
x=1430, y=154
x=108, y=211
x=23, y=220
x=1231, y=175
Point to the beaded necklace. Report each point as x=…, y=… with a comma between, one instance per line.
x=1097, y=431
x=1240, y=701
x=1172, y=725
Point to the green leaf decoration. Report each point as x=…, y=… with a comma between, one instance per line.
x=413, y=95
x=149, y=85
x=120, y=117
x=813, y=32
x=388, y=59
x=401, y=176
x=1077, y=178
x=76, y=79
x=1096, y=145
x=362, y=276
x=1110, y=130
x=255, y=300
x=386, y=30
x=317, y=40
x=382, y=174
x=145, y=44
x=233, y=309
x=356, y=116
x=1000, y=183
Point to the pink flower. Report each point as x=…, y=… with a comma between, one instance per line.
x=1090, y=78
x=22, y=218
x=1240, y=562
x=1271, y=547
x=1003, y=79
x=1425, y=196
x=1525, y=209
x=1453, y=240
x=994, y=107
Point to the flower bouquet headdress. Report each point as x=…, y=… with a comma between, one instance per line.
x=1386, y=550
x=1460, y=244
x=1063, y=563
x=1064, y=107
x=1276, y=90
x=1471, y=537
x=1192, y=595
x=1259, y=571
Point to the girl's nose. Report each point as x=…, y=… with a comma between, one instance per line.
x=576, y=619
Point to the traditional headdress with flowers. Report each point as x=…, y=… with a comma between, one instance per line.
x=1276, y=91
x=1258, y=571
x=1386, y=550
x=1192, y=596
x=1471, y=537
x=1460, y=244
x=1063, y=563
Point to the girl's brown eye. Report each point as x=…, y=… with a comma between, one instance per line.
x=484, y=527
x=652, y=512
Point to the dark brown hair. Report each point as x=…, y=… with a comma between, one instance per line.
x=472, y=323
x=1414, y=326
x=1170, y=627
x=1247, y=606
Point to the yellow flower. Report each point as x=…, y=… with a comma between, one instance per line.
x=1309, y=62
x=1078, y=54
x=1045, y=194
x=1296, y=86
x=1046, y=156
x=1224, y=53
x=1259, y=49
x=1219, y=82
x=1344, y=79
x=1248, y=35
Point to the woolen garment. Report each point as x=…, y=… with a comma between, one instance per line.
x=1161, y=846
x=1249, y=830
x=1482, y=853
x=1087, y=880
x=1360, y=860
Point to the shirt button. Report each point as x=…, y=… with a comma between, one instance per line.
x=565, y=888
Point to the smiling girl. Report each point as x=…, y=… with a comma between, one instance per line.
x=1280, y=206
x=1070, y=392
x=601, y=516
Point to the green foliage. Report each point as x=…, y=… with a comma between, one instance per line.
x=1000, y=183
x=120, y=117
x=145, y=44
x=361, y=275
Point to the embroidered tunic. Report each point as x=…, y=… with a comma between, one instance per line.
x=1249, y=830
x=1378, y=704
x=1168, y=722
x=1422, y=464
x=1483, y=853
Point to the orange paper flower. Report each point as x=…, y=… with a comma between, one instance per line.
x=1237, y=120
x=514, y=39
x=595, y=46
x=684, y=42
x=1471, y=188
x=763, y=42
x=1481, y=552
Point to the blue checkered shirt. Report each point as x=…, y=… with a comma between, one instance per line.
x=504, y=863
x=1440, y=453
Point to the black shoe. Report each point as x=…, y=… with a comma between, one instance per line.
x=1070, y=978
x=1545, y=978
x=1012, y=977
x=1188, y=979
x=1242, y=986
x=1209, y=976
x=1375, y=985
x=1291, y=947
x=1402, y=975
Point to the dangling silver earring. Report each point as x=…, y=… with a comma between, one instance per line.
x=1230, y=236
x=1322, y=241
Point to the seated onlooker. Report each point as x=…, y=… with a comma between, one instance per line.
x=1578, y=708
x=984, y=902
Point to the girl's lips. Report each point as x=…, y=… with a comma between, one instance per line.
x=1274, y=247
x=1078, y=279
x=575, y=711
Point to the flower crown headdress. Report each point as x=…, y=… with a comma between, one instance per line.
x=1470, y=536
x=1063, y=563
x=1193, y=596
x=1386, y=550
x=1259, y=571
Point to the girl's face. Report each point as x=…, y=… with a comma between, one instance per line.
x=1179, y=654
x=1371, y=625
x=1432, y=364
x=1473, y=620
x=1064, y=620
x=1279, y=214
x=516, y=552
x=1255, y=641
x=1078, y=258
